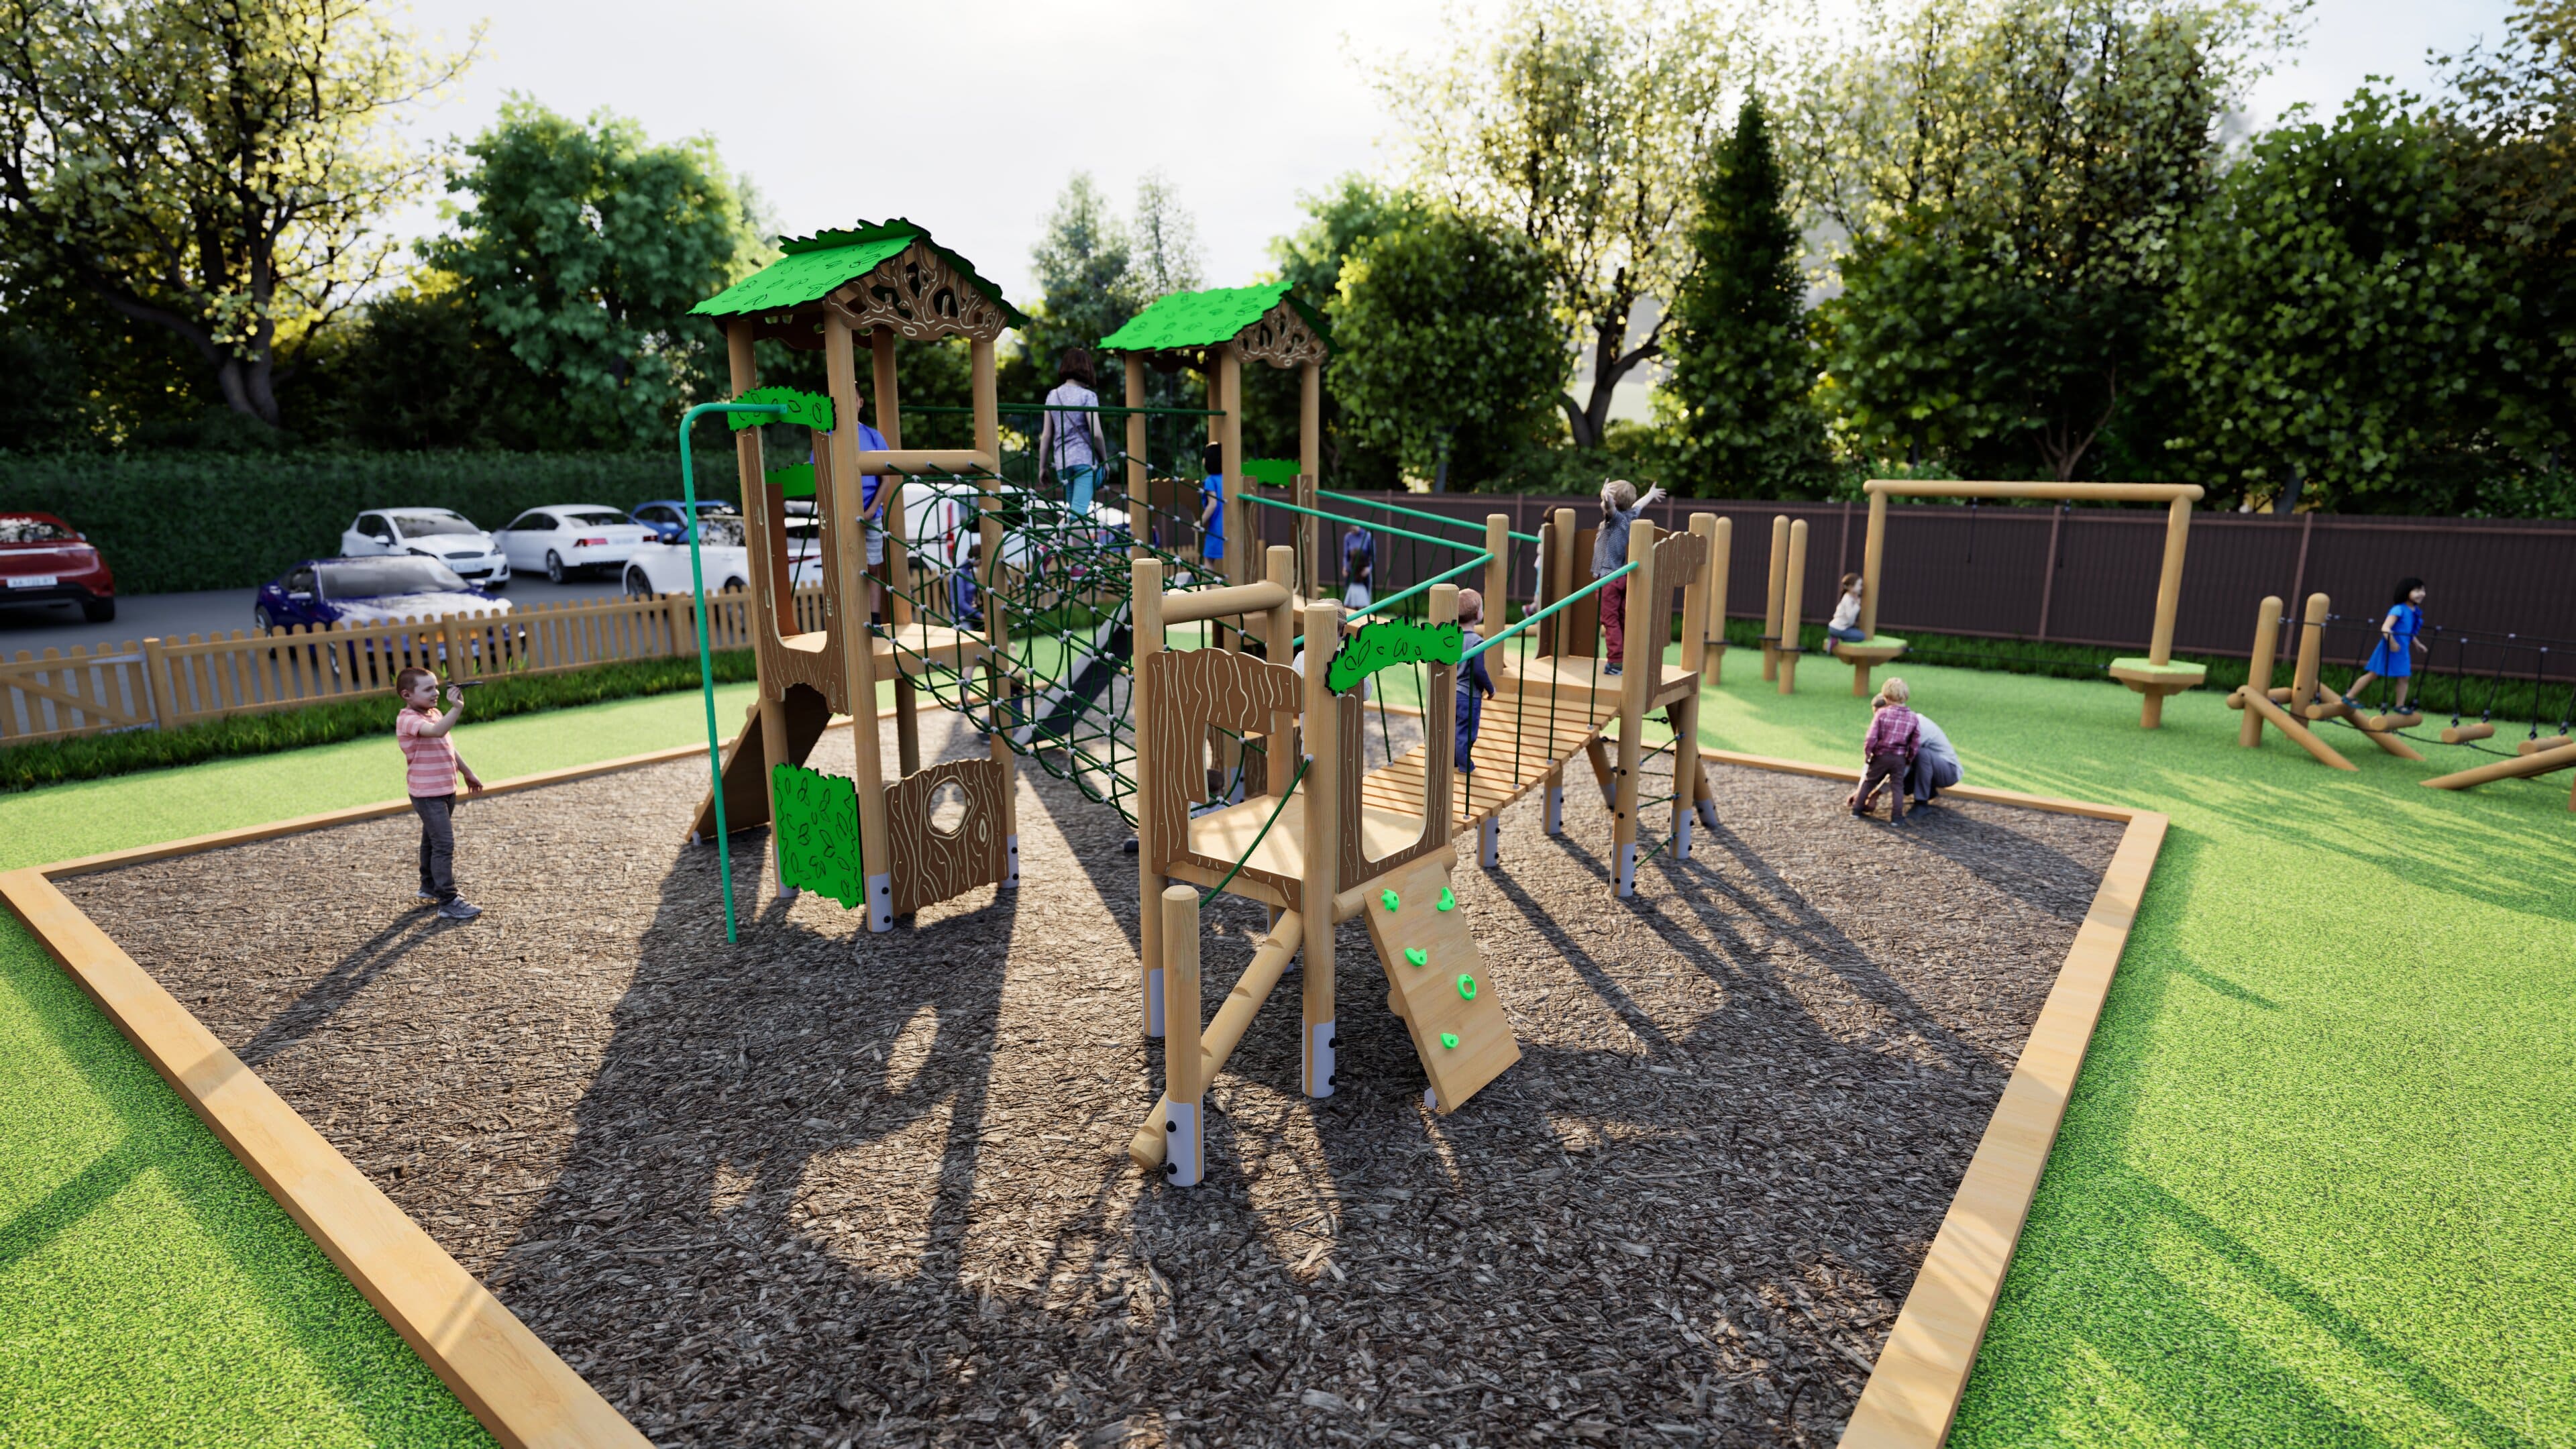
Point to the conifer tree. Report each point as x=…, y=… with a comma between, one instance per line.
x=1742, y=362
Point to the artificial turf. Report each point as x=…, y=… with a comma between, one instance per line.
x=2313, y=1187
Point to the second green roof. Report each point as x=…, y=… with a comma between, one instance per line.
x=1205, y=319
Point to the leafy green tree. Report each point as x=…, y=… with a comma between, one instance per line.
x=582, y=251
x=1342, y=218
x=2010, y=175
x=1584, y=128
x=1448, y=351
x=1743, y=367
x=209, y=168
x=1084, y=272
x=2346, y=335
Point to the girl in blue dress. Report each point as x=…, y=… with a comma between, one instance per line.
x=2394, y=659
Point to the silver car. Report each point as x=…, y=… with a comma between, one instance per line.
x=440, y=533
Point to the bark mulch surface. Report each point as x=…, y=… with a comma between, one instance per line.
x=824, y=1187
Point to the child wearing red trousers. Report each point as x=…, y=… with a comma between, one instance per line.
x=1620, y=507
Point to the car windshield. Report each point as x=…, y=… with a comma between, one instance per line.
x=414, y=525
x=32, y=530
x=594, y=517
x=720, y=530
x=375, y=578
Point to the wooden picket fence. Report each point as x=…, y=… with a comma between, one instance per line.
x=163, y=684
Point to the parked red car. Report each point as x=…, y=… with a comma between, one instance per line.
x=44, y=560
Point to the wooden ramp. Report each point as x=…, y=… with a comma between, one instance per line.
x=746, y=765
x=1436, y=982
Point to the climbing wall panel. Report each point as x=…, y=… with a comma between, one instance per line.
x=1436, y=981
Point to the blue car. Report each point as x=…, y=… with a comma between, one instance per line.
x=663, y=515
x=326, y=591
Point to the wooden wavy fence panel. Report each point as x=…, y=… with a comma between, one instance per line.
x=166, y=683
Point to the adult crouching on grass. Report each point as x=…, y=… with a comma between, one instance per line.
x=430, y=771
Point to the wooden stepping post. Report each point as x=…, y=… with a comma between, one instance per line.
x=1184, y=1084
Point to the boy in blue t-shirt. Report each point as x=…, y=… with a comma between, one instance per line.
x=1359, y=568
x=1212, y=505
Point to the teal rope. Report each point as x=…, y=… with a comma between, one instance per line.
x=1284, y=796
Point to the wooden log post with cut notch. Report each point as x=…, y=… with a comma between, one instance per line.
x=1719, y=530
x=1793, y=588
x=2312, y=647
x=770, y=596
x=1320, y=880
x=1139, y=488
x=1551, y=586
x=898, y=553
x=1310, y=465
x=982, y=391
x=2258, y=669
x=1773, y=589
x=1640, y=669
x=1184, y=1086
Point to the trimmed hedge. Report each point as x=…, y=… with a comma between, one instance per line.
x=174, y=522
x=90, y=757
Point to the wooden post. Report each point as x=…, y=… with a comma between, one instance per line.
x=1184, y=1090
x=2312, y=645
x=2169, y=587
x=1310, y=542
x=1139, y=512
x=1229, y=442
x=1323, y=835
x=898, y=551
x=1719, y=530
x=1873, y=553
x=1792, y=589
x=858, y=656
x=460, y=661
x=1146, y=615
x=1281, y=628
x=767, y=603
x=1498, y=574
x=1551, y=789
x=1310, y=462
x=156, y=683
x=2258, y=672
x=997, y=626
x=1564, y=578
x=1771, y=608
x=1636, y=686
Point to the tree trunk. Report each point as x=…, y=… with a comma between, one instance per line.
x=1589, y=421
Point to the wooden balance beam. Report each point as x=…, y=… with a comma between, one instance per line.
x=2520, y=768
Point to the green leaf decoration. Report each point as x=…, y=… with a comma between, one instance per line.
x=1383, y=642
x=804, y=409
x=1417, y=955
x=818, y=833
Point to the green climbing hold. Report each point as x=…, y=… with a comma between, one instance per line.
x=1417, y=955
x=1449, y=1039
x=1390, y=898
x=1467, y=987
x=1448, y=899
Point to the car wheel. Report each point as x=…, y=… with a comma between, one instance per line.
x=260, y=618
x=638, y=586
x=98, y=611
x=555, y=571
x=733, y=586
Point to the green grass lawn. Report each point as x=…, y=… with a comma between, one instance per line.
x=2314, y=1187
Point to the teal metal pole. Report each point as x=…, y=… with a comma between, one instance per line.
x=706, y=659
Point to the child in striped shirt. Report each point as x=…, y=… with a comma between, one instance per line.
x=430, y=771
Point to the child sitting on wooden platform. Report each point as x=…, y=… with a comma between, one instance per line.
x=1886, y=751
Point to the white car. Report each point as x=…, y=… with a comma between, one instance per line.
x=565, y=538
x=440, y=533
x=663, y=568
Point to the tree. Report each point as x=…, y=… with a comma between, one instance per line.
x=1448, y=352
x=2010, y=175
x=210, y=168
x=583, y=250
x=1743, y=366
x=1341, y=219
x=2345, y=336
x=1164, y=253
x=1085, y=277
x=1583, y=127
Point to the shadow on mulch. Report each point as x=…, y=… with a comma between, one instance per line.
x=826, y=1187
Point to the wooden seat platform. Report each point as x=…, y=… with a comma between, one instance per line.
x=1226, y=834
x=1575, y=678
x=1875, y=650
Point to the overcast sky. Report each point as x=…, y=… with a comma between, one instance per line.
x=968, y=115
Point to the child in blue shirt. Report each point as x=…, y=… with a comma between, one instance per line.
x=1359, y=568
x=1212, y=506
x=1475, y=686
x=2394, y=659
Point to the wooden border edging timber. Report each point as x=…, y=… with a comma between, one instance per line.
x=505, y=1375
x=527, y=1396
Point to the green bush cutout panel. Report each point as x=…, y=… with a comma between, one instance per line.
x=818, y=833
x=1382, y=642
x=1272, y=472
x=804, y=410
x=796, y=480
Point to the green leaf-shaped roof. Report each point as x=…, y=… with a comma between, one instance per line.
x=817, y=265
x=1204, y=319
